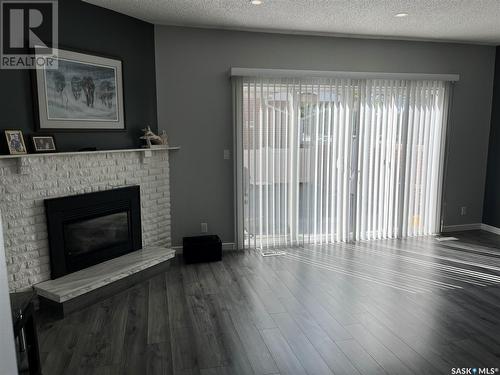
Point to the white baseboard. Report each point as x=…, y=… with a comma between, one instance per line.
x=226, y=246
x=473, y=226
x=178, y=249
x=490, y=228
x=460, y=227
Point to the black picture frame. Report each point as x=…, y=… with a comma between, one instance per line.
x=36, y=147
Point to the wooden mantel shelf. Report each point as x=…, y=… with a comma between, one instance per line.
x=23, y=160
x=73, y=153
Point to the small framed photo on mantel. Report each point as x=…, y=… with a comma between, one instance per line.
x=43, y=143
x=15, y=142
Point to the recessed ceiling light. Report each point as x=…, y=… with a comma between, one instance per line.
x=256, y=2
x=401, y=15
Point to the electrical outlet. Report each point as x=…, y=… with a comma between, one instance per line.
x=204, y=228
x=463, y=210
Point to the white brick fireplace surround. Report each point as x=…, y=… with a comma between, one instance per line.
x=25, y=182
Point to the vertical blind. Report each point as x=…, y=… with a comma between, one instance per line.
x=328, y=160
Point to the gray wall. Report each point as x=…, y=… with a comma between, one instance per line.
x=491, y=214
x=194, y=107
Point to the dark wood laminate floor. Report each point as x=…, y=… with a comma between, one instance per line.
x=381, y=307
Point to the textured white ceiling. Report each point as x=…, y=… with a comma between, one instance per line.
x=452, y=20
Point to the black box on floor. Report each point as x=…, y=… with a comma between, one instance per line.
x=202, y=249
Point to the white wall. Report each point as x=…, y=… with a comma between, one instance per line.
x=8, y=363
x=194, y=107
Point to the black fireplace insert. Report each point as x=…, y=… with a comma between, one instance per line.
x=91, y=228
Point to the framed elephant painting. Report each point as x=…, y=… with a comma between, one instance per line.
x=80, y=92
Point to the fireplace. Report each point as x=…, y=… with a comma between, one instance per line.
x=88, y=229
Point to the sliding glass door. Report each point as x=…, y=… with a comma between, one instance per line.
x=328, y=118
x=328, y=160
x=272, y=164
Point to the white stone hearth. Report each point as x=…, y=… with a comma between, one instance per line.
x=78, y=283
x=22, y=195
